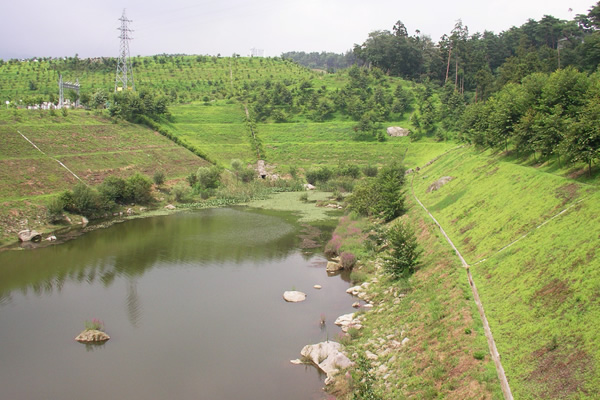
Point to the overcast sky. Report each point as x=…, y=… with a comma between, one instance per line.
x=56, y=28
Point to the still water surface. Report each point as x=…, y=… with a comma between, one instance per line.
x=193, y=303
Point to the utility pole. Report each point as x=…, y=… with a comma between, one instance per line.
x=124, y=69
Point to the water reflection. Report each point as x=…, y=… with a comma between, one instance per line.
x=217, y=236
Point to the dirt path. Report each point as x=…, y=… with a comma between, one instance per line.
x=486, y=326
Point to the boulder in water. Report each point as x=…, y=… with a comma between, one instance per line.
x=293, y=296
x=92, y=336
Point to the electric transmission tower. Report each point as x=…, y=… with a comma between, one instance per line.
x=124, y=69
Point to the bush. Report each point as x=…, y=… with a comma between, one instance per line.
x=82, y=200
x=138, y=189
x=114, y=189
x=351, y=170
x=182, y=193
x=54, y=210
x=404, y=252
x=370, y=171
x=247, y=175
x=209, y=177
x=159, y=178
x=347, y=260
x=191, y=179
x=342, y=184
x=332, y=248
x=314, y=175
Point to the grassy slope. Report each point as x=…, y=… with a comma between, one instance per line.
x=436, y=313
x=219, y=130
x=540, y=295
x=93, y=147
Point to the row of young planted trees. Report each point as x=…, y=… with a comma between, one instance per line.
x=553, y=115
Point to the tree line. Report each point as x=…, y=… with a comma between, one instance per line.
x=482, y=63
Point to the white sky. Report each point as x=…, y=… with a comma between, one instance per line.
x=56, y=28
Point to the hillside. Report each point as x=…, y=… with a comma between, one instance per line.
x=219, y=130
x=540, y=293
x=91, y=146
x=182, y=78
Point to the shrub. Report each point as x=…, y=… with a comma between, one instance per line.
x=347, y=260
x=343, y=184
x=114, y=189
x=54, y=210
x=351, y=170
x=293, y=170
x=370, y=171
x=209, y=177
x=404, y=251
x=191, y=179
x=247, y=175
x=182, y=193
x=138, y=189
x=479, y=355
x=159, y=178
x=332, y=247
x=314, y=175
x=82, y=200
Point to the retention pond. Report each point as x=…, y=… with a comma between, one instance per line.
x=192, y=302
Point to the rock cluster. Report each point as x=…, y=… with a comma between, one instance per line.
x=348, y=321
x=439, y=183
x=397, y=131
x=328, y=357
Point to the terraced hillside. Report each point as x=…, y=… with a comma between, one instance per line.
x=540, y=294
x=219, y=130
x=90, y=146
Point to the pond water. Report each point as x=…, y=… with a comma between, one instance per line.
x=192, y=302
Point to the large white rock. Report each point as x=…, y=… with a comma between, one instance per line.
x=328, y=357
x=354, y=290
x=92, y=335
x=333, y=266
x=397, y=131
x=348, y=321
x=293, y=296
x=29, y=236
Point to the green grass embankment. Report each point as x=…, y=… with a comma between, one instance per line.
x=541, y=294
x=425, y=331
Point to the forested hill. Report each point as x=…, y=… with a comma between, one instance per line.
x=482, y=62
